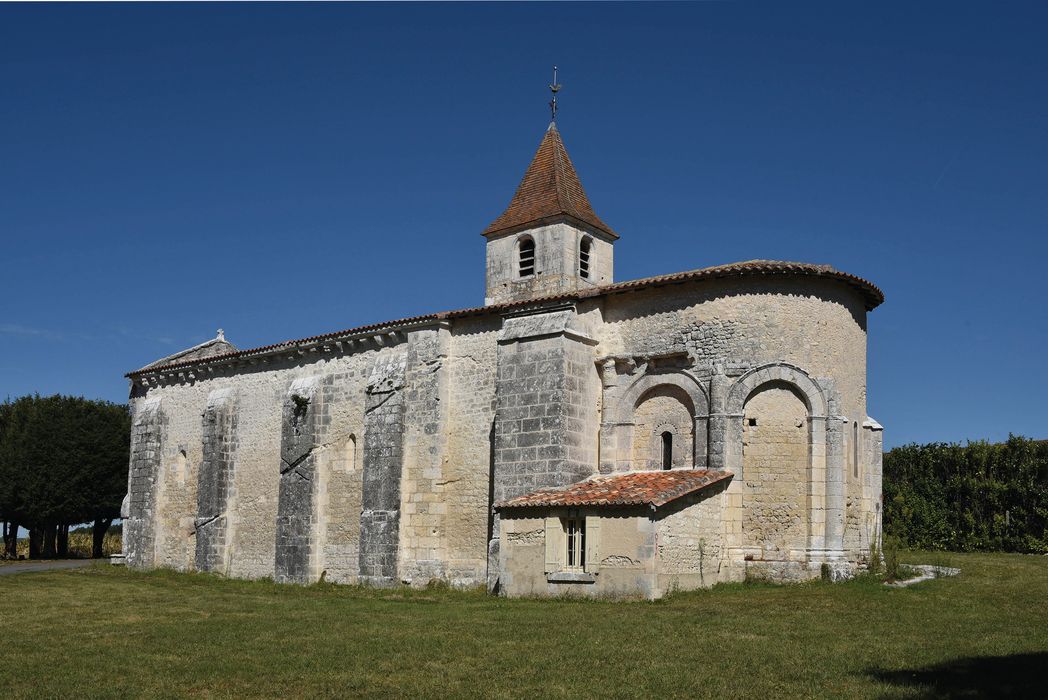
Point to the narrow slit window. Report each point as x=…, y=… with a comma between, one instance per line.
x=527, y=257
x=667, y=450
x=349, y=456
x=575, y=531
x=855, y=446
x=181, y=467
x=584, y=258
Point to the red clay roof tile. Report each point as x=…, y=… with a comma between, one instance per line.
x=652, y=489
x=550, y=189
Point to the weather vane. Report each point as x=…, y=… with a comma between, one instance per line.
x=554, y=88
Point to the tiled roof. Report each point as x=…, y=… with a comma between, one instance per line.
x=652, y=489
x=872, y=295
x=212, y=348
x=550, y=189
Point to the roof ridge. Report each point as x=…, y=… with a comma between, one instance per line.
x=558, y=179
x=871, y=294
x=182, y=353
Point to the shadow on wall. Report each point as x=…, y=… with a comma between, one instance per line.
x=1015, y=676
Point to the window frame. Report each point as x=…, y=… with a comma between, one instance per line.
x=574, y=543
x=585, y=268
x=587, y=566
x=666, y=437
x=522, y=243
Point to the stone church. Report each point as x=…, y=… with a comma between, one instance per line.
x=574, y=435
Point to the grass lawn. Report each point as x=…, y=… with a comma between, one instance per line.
x=109, y=632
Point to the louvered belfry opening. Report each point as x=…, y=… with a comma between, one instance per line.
x=527, y=257
x=584, y=258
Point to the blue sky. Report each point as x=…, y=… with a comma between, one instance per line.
x=286, y=170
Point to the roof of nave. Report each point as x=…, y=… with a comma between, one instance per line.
x=217, y=346
x=648, y=488
x=762, y=268
x=550, y=189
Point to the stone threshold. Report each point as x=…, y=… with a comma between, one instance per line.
x=928, y=572
x=571, y=577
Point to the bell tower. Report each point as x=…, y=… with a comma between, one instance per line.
x=549, y=240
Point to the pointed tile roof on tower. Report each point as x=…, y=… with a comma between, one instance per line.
x=550, y=189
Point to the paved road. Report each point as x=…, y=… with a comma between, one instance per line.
x=23, y=566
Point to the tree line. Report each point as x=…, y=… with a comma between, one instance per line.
x=980, y=496
x=63, y=461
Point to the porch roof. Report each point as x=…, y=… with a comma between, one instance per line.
x=646, y=488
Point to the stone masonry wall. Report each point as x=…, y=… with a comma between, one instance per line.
x=556, y=263
x=423, y=529
x=817, y=325
x=662, y=410
x=545, y=432
x=384, y=423
x=181, y=455
x=544, y=418
x=727, y=326
x=296, y=523
x=261, y=387
x=140, y=517
x=775, y=475
x=340, y=470
x=215, y=480
x=469, y=461
x=688, y=544
x=418, y=434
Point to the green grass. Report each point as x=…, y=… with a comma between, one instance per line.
x=109, y=632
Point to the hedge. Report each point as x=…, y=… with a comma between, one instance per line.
x=976, y=497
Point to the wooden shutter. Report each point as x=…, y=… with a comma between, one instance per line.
x=554, y=542
x=592, y=544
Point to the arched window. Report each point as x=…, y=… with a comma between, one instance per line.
x=526, y=250
x=855, y=449
x=667, y=450
x=585, y=246
x=349, y=454
x=181, y=467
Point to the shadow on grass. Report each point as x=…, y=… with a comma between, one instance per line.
x=1014, y=676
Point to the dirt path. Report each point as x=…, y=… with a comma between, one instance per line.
x=23, y=566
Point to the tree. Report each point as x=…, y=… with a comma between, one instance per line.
x=8, y=518
x=63, y=460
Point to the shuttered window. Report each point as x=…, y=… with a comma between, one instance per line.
x=575, y=536
x=527, y=257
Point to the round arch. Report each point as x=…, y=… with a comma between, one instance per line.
x=825, y=457
x=685, y=381
x=810, y=392
x=617, y=423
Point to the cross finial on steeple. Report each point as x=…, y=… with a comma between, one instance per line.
x=221, y=335
x=554, y=88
